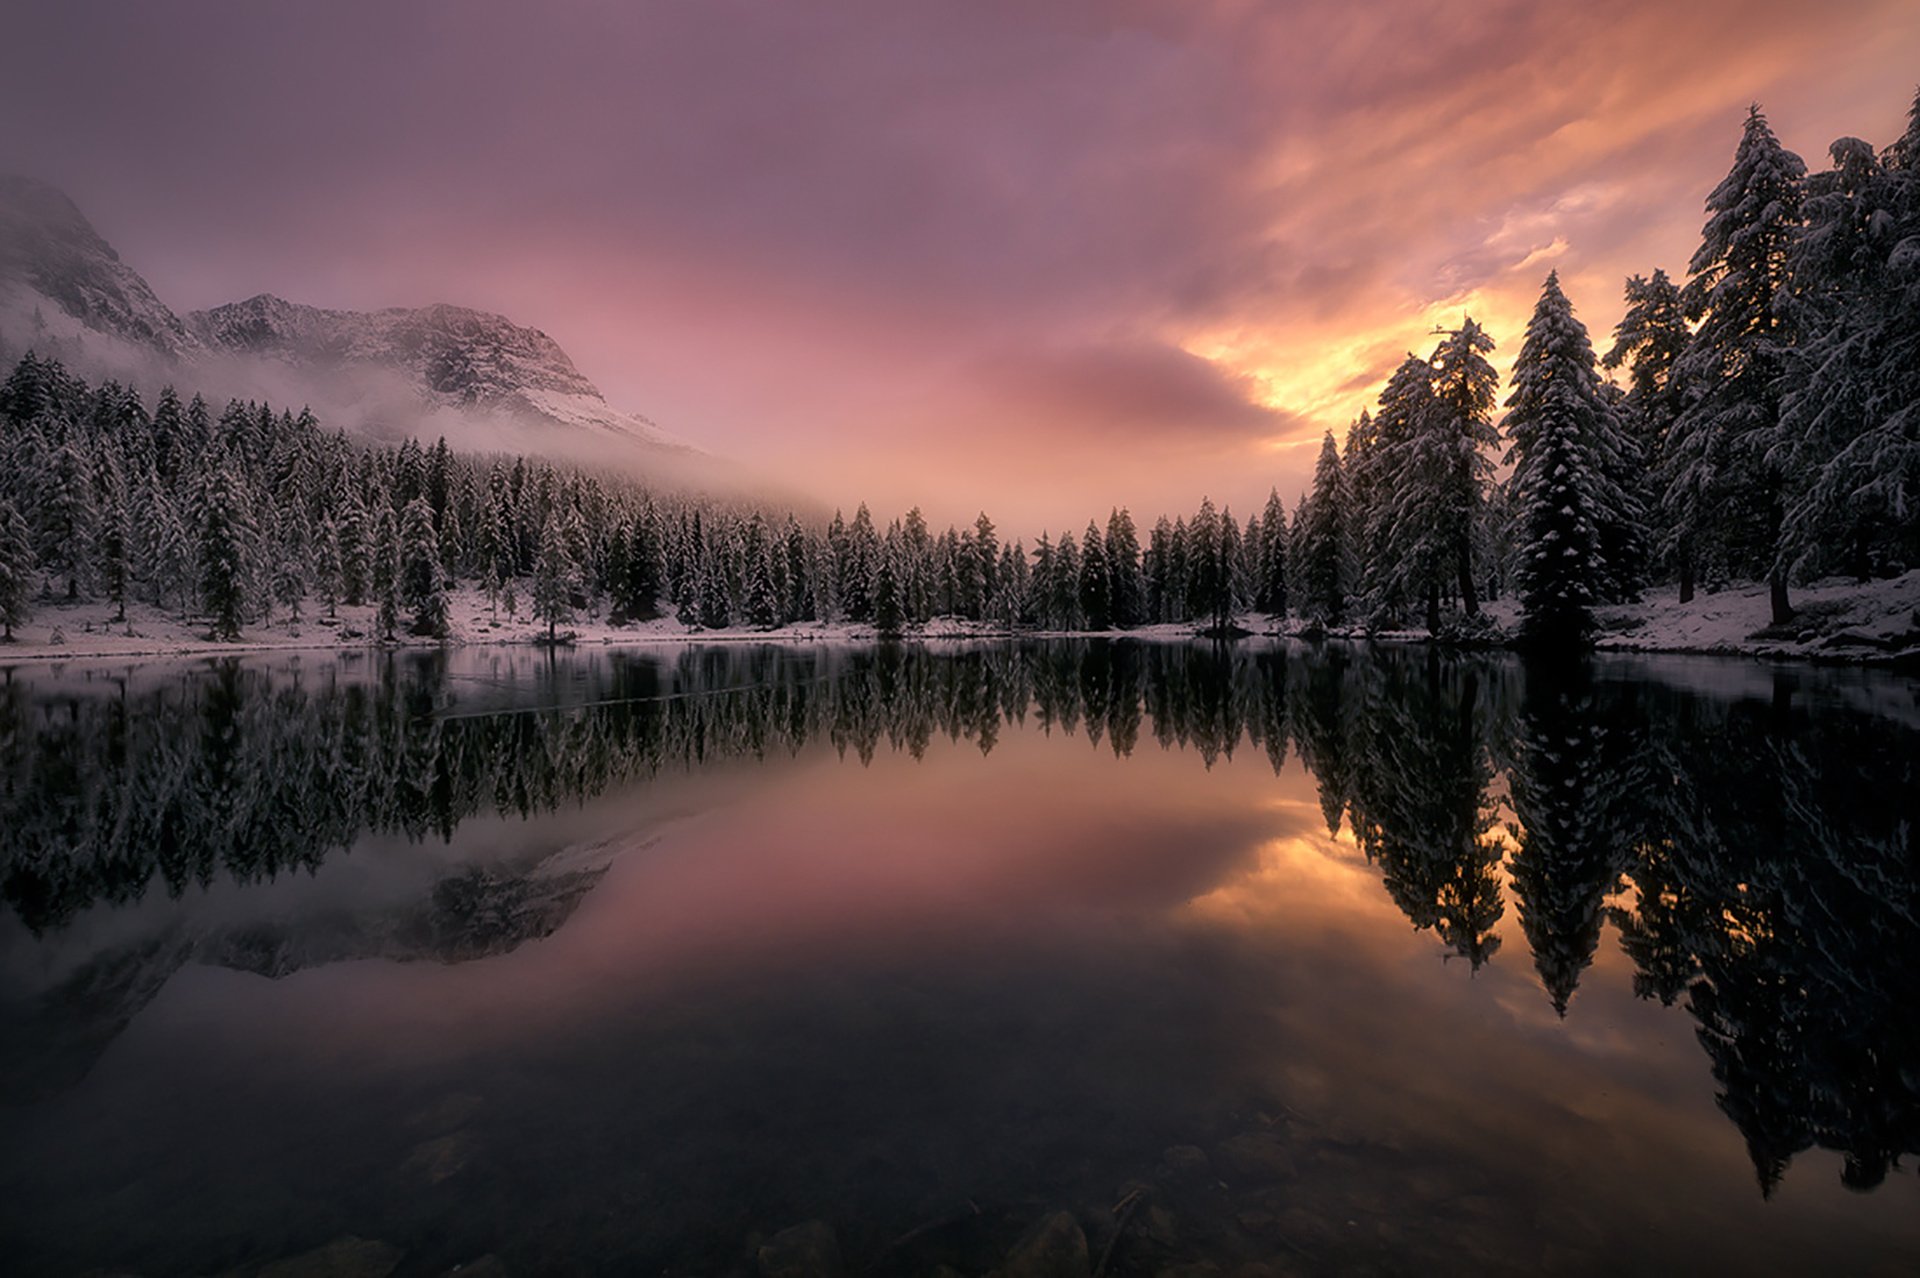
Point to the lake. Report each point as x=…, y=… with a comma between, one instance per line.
x=1049, y=958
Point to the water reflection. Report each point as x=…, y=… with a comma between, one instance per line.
x=1749, y=836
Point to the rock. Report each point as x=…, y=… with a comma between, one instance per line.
x=1054, y=1248
x=804, y=1251
x=433, y=1161
x=1262, y=1156
x=488, y=1266
x=1184, y=1165
x=347, y=1257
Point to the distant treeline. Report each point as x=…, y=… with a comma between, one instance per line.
x=1769, y=428
x=1757, y=862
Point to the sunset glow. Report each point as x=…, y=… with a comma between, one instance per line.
x=878, y=250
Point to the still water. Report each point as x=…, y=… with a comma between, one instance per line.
x=1173, y=959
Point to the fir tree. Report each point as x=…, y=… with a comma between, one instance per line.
x=1723, y=480
x=554, y=577
x=423, y=591
x=227, y=543
x=1557, y=423
x=18, y=564
x=1096, y=582
x=1324, y=556
x=383, y=576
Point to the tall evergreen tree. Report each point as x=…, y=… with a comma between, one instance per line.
x=1557, y=422
x=423, y=590
x=227, y=546
x=18, y=567
x=1724, y=479
x=555, y=577
x=1324, y=559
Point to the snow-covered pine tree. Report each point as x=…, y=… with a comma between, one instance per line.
x=1852, y=412
x=1323, y=563
x=115, y=542
x=1724, y=478
x=292, y=557
x=1270, y=588
x=227, y=548
x=69, y=517
x=1556, y=421
x=986, y=549
x=1373, y=476
x=1063, y=606
x=326, y=565
x=19, y=566
x=423, y=587
x=1203, y=562
x=763, y=588
x=1440, y=484
x=1096, y=581
x=1648, y=342
x=356, y=551
x=889, y=609
x=1127, y=590
x=554, y=577
x=1158, y=591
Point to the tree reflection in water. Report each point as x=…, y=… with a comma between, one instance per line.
x=1756, y=860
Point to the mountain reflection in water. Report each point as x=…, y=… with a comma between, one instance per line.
x=870, y=935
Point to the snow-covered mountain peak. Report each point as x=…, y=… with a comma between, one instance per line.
x=52, y=260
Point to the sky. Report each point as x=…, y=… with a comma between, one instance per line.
x=1037, y=258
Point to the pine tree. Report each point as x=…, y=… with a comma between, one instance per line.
x=889, y=612
x=356, y=555
x=1096, y=582
x=554, y=577
x=1851, y=416
x=1270, y=589
x=292, y=558
x=1648, y=342
x=383, y=575
x=1127, y=589
x=1557, y=422
x=115, y=546
x=1724, y=481
x=227, y=547
x=69, y=518
x=1063, y=603
x=423, y=590
x=18, y=566
x=326, y=565
x=1324, y=558
x=1441, y=481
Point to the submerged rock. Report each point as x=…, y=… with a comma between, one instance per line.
x=1261, y=1156
x=804, y=1251
x=1182, y=1165
x=1054, y=1248
x=347, y=1257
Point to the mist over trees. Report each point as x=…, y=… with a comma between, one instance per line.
x=1767, y=428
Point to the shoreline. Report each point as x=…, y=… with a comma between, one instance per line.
x=1875, y=625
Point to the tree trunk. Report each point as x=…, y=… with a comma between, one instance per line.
x=1686, y=570
x=1782, y=610
x=1433, y=608
x=1469, y=597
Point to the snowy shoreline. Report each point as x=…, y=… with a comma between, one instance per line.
x=1837, y=622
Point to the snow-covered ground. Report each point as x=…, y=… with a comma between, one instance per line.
x=1837, y=620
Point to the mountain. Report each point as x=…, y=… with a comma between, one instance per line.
x=477, y=377
x=55, y=267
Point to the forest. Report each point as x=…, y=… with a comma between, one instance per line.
x=1749, y=876
x=1764, y=426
